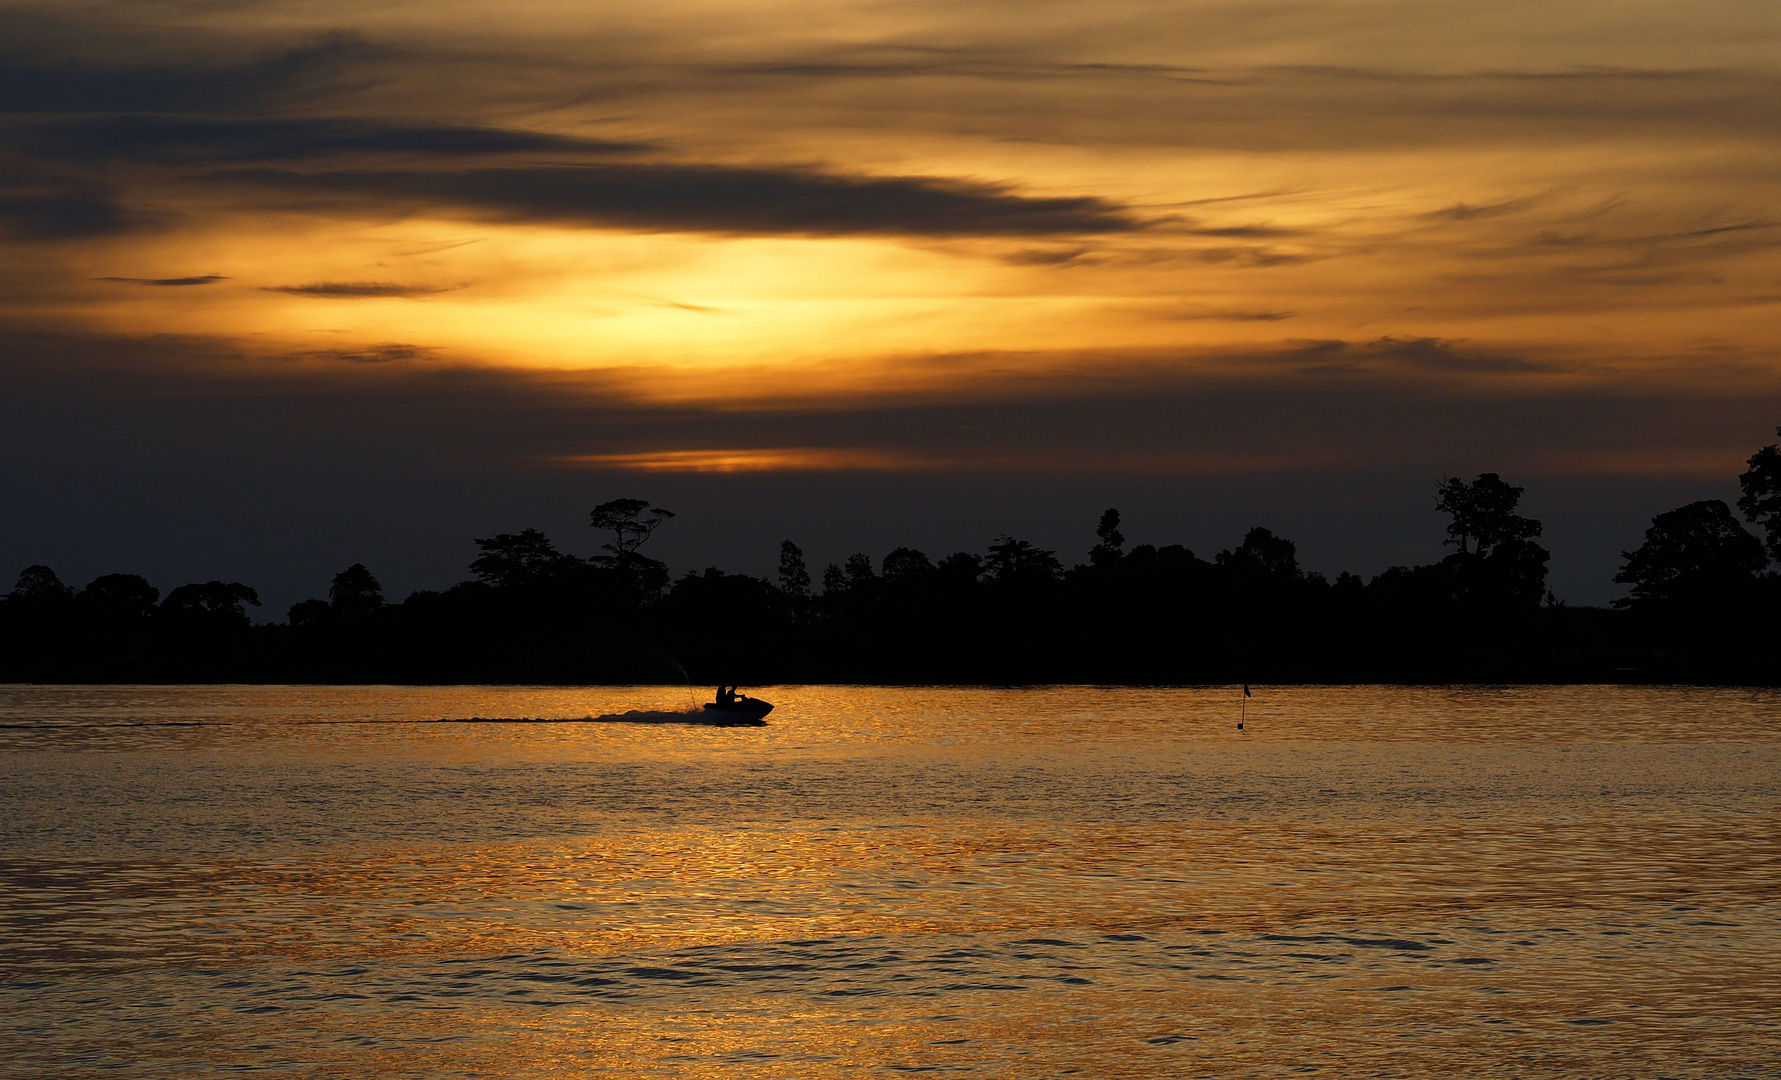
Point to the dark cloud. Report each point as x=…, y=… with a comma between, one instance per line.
x=1437, y=355
x=658, y=197
x=388, y=353
x=357, y=290
x=1023, y=87
x=199, y=140
x=38, y=203
x=205, y=279
x=668, y=196
x=1245, y=232
x=54, y=66
x=714, y=198
x=1229, y=316
x=879, y=61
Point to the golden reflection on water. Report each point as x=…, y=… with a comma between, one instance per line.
x=1580, y=881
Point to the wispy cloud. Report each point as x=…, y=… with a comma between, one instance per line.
x=386, y=353
x=1224, y=316
x=202, y=279
x=203, y=140
x=1461, y=211
x=359, y=290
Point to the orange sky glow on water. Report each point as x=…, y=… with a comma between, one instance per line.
x=1115, y=882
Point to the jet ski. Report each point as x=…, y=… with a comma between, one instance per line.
x=733, y=709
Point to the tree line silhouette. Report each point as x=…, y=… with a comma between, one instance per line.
x=1701, y=606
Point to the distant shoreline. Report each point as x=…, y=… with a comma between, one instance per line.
x=1702, y=610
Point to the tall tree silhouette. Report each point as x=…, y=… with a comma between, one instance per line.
x=1483, y=513
x=794, y=576
x=354, y=593
x=1110, y=542
x=1696, y=554
x=1761, y=499
x=1498, y=564
x=631, y=522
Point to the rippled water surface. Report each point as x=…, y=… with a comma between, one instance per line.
x=1111, y=883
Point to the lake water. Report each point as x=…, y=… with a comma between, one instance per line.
x=1370, y=881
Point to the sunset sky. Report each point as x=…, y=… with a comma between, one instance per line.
x=292, y=285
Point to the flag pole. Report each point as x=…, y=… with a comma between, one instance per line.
x=1243, y=713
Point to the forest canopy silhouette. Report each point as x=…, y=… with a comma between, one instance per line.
x=1701, y=605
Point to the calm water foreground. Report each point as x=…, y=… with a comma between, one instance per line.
x=1367, y=881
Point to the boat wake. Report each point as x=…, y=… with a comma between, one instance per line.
x=700, y=716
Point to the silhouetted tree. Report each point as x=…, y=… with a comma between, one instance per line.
x=631, y=522
x=722, y=626
x=1012, y=561
x=833, y=580
x=794, y=576
x=1498, y=565
x=1110, y=541
x=1262, y=555
x=1696, y=554
x=859, y=572
x=1761, y=499
x=40, y=608
x=959, y=570
x=39, y=587
x=906, y=564
x=1483, y=513
x=518, y=560
x=120, y=596
x=1514, y=573
x=354, y=593
x=212, y=604
x=310, y=613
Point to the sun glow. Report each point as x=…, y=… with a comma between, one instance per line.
x=1501, y=258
